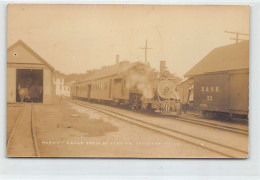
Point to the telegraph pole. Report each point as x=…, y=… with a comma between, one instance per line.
x=237, y=39
x=145, y=48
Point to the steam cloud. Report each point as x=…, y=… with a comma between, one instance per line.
x=142, y=82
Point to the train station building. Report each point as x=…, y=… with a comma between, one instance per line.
x=28, y=71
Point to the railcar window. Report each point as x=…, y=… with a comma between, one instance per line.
x=117, y=80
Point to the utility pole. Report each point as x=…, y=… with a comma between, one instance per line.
x=237, y=39
x=145, y=48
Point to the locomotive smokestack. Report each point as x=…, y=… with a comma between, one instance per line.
x=162, y=67
x=117, y=59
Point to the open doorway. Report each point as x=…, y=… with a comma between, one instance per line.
x=30, y=81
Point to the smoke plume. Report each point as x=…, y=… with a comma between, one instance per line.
x=141, y=81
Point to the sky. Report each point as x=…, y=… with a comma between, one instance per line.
x=76, y=38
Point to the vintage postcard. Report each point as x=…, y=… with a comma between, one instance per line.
x=127, y=81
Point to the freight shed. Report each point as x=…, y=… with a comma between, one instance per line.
x=221, y=81
x=28, y=71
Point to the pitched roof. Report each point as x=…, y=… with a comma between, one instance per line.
x=224, y=58
x=20, y=42
x=184, y=81
x=110, y=71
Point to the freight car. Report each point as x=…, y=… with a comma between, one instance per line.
x=221, y=82
x=134, y=85
x=222, y=94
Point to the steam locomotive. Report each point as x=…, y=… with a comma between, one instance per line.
x=133, y=85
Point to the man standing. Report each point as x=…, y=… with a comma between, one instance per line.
x=21, y=93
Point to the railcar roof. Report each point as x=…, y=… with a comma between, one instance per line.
x=110, y=71
x=224, y=58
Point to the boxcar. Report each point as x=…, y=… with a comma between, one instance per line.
x=222, y=93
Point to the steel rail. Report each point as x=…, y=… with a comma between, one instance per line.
x=34, y=138
x=213, y=125
x=14, y=126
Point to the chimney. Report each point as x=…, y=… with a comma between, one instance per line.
x=162, y=67
x=117, y=59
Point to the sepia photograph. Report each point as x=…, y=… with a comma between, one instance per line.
x=127, y=81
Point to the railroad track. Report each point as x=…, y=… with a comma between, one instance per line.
x=227, y=151
x=205, y=123
x=9, y=132
x=33, y=132
x=22, y=140
x=213, y=125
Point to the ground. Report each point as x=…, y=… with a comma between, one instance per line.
x=67, y=130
